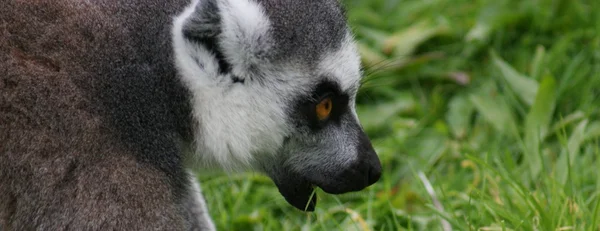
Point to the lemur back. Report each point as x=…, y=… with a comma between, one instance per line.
x=89, y=108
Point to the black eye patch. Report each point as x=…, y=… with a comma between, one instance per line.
x=307, y=107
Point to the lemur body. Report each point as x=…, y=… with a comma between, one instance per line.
x=99, y=101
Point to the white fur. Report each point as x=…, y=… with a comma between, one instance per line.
x=343, y=64
x=185, y=53
x=234, y=122
x=245, y=21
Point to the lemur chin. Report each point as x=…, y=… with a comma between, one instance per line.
x=105, y=103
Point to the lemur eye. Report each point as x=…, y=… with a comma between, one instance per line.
x=323, y=109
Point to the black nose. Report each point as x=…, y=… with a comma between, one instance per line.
x=370, y=159
x=374, y=173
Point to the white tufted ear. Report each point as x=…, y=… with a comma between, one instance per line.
x=232, y=33
x=244, y=39
x=217, y=44
x=198, y=64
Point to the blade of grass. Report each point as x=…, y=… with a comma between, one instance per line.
x=569, y=154
x=496, y=112
x=525, y=87
x=537, y=122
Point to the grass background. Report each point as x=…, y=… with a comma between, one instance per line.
x=485, y=114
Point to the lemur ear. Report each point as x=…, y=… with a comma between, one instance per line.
x=204, y=22
x=203, y=27
x=237, y=34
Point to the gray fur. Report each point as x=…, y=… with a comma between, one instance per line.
x=195, y=210
x=305, y=29
x=91, y=117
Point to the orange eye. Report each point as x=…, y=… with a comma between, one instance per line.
x=324, y=108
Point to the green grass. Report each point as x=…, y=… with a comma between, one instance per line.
x=495, y=104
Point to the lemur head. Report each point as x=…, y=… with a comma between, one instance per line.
x=273, y=86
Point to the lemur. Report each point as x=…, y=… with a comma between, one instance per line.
x=105, y=105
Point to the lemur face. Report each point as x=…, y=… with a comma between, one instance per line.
x=273, y=84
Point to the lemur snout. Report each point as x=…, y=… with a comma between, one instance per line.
x=364, y=172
